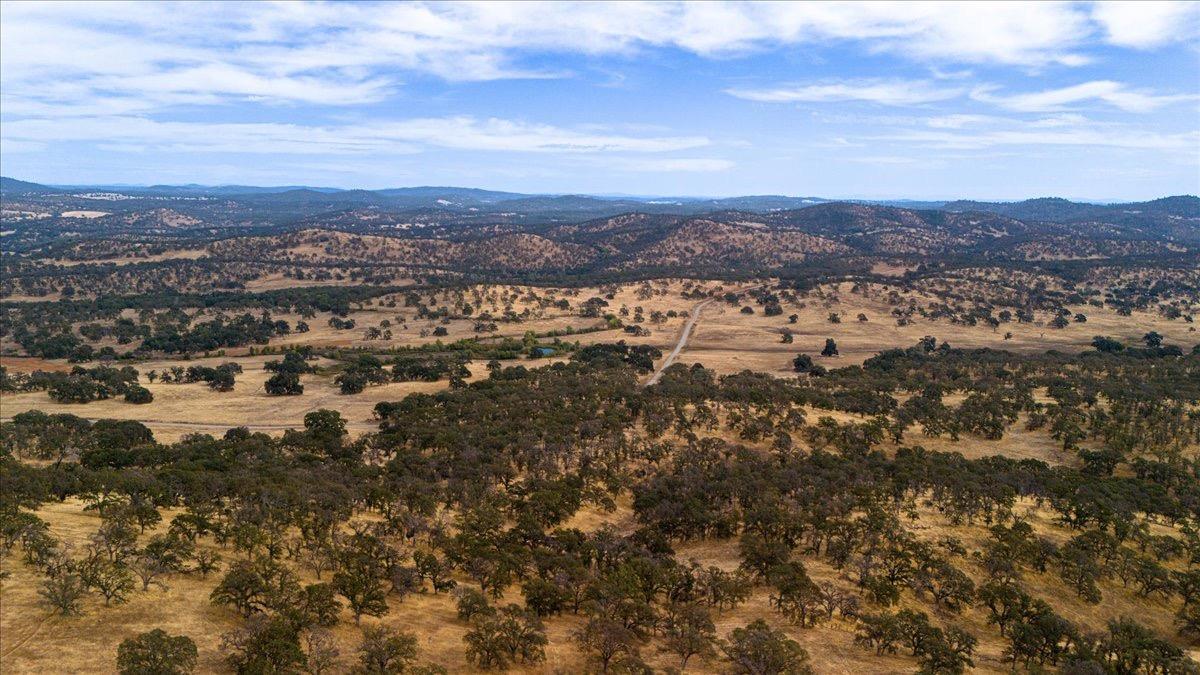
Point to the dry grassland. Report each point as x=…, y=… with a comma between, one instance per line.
x=173, y=254
x=724, y=339
x=84, y=214
x=728, y=341
x=182, y=409
x=32, y=641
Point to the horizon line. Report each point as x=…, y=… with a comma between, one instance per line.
x=595, y=195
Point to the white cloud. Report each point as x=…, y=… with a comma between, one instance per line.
x=950, y=74
x=959, y=121
x=113, y=74
x=1144, y=24
x=1034, y=135
x=969, y=137
x=1061, y=120
x=396, y=136
x=1115, y=94
x=673, y=165
x=496, y=134
x=1028, y=34
x=145, y=56
x=963, y=32
x=919, y=92
x=893, y=92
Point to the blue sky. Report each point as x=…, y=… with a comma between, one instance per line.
x=870, y=100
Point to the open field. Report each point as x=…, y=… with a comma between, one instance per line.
x=182, y=409
x=530, y=309
x=177, y=254
x=729, y=341
x=84, y=214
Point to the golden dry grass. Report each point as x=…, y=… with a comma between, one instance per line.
x=33, y=641
x=84, y=214
x=182, y=409
x=724, y=339
x=728, y=341
x=173, y=254
x=409, y=330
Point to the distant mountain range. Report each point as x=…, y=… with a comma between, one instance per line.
x=18, y=187
x=710, y=243
x=556, y=206
x=469, y=231
x=1059, y=210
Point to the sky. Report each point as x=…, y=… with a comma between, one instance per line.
x=1096, y=101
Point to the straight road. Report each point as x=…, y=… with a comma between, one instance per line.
x=683, y=338
x=687, y=333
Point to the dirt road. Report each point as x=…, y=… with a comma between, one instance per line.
x=683, y=338
x=687, y=333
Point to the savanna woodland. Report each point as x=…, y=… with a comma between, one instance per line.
x=415, y=432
